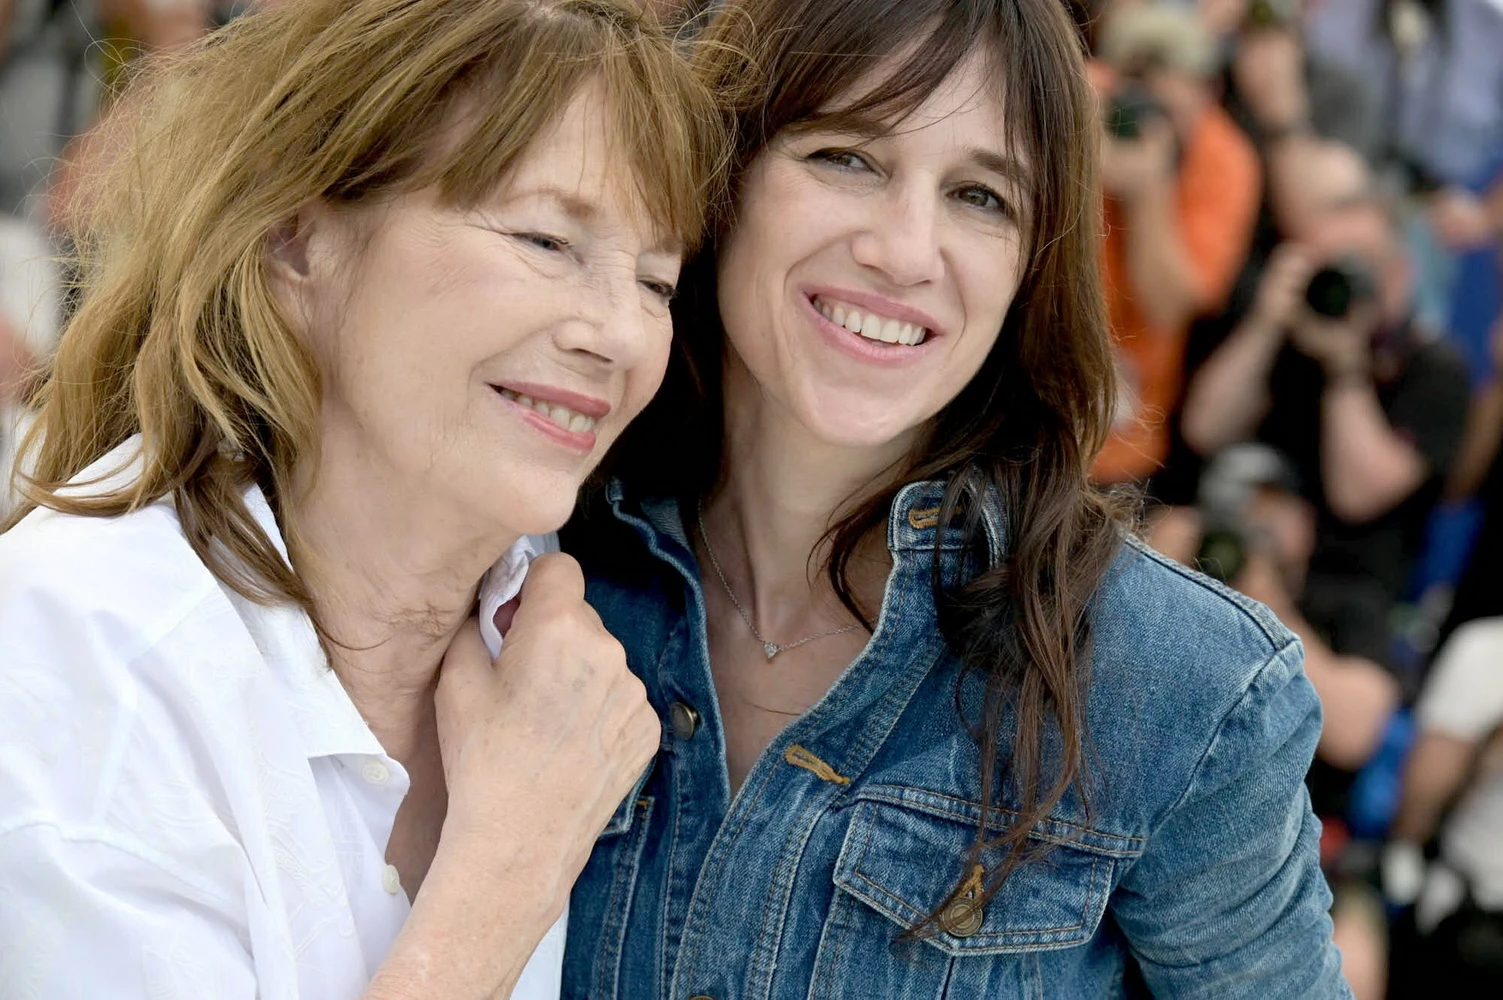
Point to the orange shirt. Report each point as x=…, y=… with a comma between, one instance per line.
x=1217, y=197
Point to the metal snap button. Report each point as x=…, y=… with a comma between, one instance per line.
x=962, y=918
x=683, y=720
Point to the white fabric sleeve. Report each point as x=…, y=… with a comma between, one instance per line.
x=1464, y=695
x=82, y=918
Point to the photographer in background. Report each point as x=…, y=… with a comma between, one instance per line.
x=1453, y=793
x=1277, y=89
x=1183, y=187
x=1329, y=368
x=1326, y=367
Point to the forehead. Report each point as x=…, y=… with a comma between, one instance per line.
x=580, y=165
x=968, y=98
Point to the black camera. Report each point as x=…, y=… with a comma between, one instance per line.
x=1339, y=286
x=1228, y=487
x=1129, y=107
x=1222, y=554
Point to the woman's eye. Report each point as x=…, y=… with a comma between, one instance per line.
x=843, y=159
x=661, y=289
x=543, y=241
x=984, y=199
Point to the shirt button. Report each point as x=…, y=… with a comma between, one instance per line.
x=683, y=720
x=391, y=881
x=375, y=772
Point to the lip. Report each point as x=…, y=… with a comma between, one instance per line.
x=857, y=346
x=579, y=403
x=579, y=442
x=879, y=304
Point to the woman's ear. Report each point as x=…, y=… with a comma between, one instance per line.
x=288, y=246
x=302, y=258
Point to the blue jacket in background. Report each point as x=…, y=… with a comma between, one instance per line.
x=1192, y=855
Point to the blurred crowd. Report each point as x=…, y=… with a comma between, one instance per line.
x=1303, y=220
x=1304, y=203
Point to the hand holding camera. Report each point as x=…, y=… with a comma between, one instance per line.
x=1140, y=148
x=1340, y=316
x=1280, y=300
x=1328, y=310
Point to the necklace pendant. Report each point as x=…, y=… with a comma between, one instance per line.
x=771, y=649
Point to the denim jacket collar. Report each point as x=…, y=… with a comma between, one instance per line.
x=911, y=523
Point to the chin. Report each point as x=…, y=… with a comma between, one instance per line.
x=532, y=505
x=849, y=427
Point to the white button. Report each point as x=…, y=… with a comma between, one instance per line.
x=390, y=880
x=375, y=772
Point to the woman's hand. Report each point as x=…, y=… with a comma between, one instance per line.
x=539, y=748
x=553, y=733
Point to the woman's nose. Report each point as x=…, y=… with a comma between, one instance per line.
x=901, y=240
x=610, y=323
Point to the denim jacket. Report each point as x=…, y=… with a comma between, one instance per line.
x=1187, y=869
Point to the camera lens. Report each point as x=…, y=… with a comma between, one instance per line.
x=1337, y=287
x=1128, y=108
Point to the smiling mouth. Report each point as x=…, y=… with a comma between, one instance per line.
x=561, y=416
x=869, y=325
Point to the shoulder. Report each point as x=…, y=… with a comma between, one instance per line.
x=1175, y=657
x=1218, y=144
x=1150, y=598
x=120, y=660
x=131, y=576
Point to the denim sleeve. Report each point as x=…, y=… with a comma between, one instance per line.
x=1228, y=899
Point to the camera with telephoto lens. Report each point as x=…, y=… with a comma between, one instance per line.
x=1335, y=289
x=1129, y=107
x=1227, y=489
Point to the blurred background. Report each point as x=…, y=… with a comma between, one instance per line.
x=1302, y=249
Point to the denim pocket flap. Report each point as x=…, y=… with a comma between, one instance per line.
x=906, y=851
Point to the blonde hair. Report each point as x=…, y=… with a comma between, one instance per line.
x=178, y=337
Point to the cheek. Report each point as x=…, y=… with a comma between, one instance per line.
x=988, y=287
x=644, y=378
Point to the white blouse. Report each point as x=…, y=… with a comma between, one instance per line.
x=190, y=804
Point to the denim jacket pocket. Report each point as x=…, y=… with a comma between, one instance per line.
x=904, y=853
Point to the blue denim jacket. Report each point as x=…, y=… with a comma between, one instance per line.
x=1192, y=871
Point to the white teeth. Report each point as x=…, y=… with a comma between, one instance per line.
x=872, y=326
x=562, y=416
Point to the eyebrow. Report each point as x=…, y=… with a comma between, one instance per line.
x=1007, y=167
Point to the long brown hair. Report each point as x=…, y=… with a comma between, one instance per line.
x=178, y=337
x=1026, y=427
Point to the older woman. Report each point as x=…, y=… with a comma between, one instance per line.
x=940, y=727
x=372, y=286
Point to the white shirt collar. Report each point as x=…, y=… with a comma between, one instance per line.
x=328, y=720
x=503, y=581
